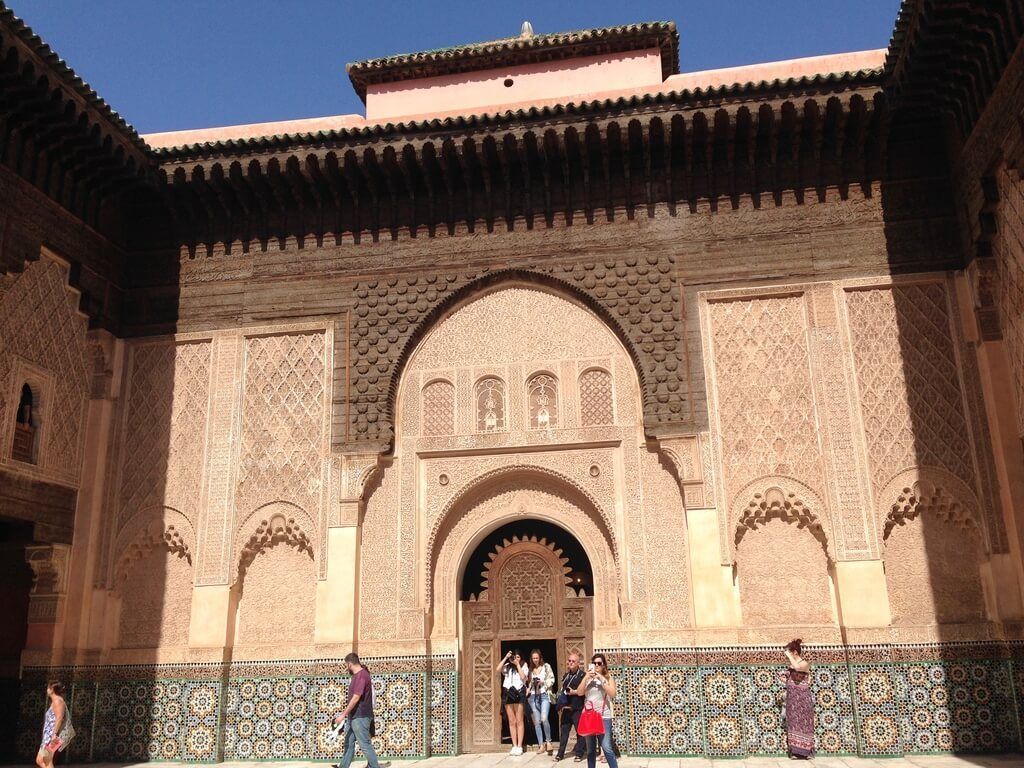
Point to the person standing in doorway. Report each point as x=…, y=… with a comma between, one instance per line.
x=358, y=713
x=513, y=694
x=799, y=703
x=542, y=683
x=599, y=690
x=570, y=709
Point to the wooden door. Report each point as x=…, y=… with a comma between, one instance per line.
x=527, y=598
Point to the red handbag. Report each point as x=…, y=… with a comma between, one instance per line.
x=591, y=721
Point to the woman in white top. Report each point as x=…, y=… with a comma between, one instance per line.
x=513, y=693
x=599, y=689
x=542, y=683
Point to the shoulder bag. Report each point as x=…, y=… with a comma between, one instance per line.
x=591, y=721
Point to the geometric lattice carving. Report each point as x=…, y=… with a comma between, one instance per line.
x=526, y=595
x=543, y=398
x=165, y=427
x=486, y=575
x=490, y=405
x=765, y=403
x=439, y=408
x=278, y=529
x=40, y=324
x=282, y=420
x=155, y=535
x=484, y=710
x=908, y=383
x=931, y=500
x=775, y=504
x=596, y=407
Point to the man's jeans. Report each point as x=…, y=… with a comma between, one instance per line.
x=359, y=730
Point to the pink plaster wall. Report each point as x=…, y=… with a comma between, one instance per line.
x=573, y=81
x=570, y=79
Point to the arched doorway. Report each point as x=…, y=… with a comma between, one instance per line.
x=530, y=594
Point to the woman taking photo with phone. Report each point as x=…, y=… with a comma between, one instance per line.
x=598, y=689
x=513, y=694
x=542, y=684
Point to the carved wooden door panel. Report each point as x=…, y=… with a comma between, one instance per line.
x=526, y=598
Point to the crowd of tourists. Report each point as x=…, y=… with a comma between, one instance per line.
x=584, y=703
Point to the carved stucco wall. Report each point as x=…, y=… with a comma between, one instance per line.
x=277, y=603
x=158, y=449
x=156, y=601
x=43, y=341
x=591, y=447
x=912, y=386
x=838, y=398
x=783, y=576
x=1008, y=249
x=931, y=568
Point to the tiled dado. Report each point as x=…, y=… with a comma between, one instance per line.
x=259, y=711
x=872, y=701
x=717, y=702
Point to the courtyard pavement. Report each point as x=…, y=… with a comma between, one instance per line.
x=501, y=760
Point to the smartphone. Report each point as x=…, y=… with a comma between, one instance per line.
x=591, y=668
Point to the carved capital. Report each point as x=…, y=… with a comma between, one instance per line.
x=685, y=455
x=100, y=349
x=357, y=469
x=49, y=564
x=984, y=280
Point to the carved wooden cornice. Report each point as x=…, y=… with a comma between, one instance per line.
x=57, y=133
x=487, y=173
x=949, y=56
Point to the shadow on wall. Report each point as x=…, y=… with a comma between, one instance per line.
x=937, y=505
x=145, y=558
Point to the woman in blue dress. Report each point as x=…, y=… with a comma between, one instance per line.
x=53, y=725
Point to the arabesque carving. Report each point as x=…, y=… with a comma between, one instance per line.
x=925, y=497
x=156, y=535
x=277, y=528
x=776, y=504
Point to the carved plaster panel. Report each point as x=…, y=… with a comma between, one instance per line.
x=40, y=324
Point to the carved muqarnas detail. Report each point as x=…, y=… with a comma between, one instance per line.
x=776, y=504
x=929, y=499
x=154, y=536
x=276, y=530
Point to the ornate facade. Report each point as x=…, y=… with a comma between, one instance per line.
x=555, y=345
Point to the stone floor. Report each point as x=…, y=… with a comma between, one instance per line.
x=537, y=761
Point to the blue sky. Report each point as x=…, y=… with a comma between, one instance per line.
x=176, y=64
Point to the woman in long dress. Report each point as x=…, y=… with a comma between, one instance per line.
x=799, y=703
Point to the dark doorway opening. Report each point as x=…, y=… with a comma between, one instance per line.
x=549, y=651
x=15, y=585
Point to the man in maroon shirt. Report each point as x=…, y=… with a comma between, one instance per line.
x=359, y=713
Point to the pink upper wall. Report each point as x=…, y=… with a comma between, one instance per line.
x=598, y=78
x=486, y=89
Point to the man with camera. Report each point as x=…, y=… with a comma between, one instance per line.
x=569, y=706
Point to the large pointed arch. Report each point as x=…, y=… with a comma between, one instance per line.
x=491, y=281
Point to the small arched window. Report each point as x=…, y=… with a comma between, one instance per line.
x=542, y=391
x=439, y=408
x=596, y=407
x=490, y=405
x=24, y=447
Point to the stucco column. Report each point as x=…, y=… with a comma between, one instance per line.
x=714, y=598
x=86, y=603
x=997, y=386
x=862, y=596
x=980, y=318
x=48, y=599
x=336, y=595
